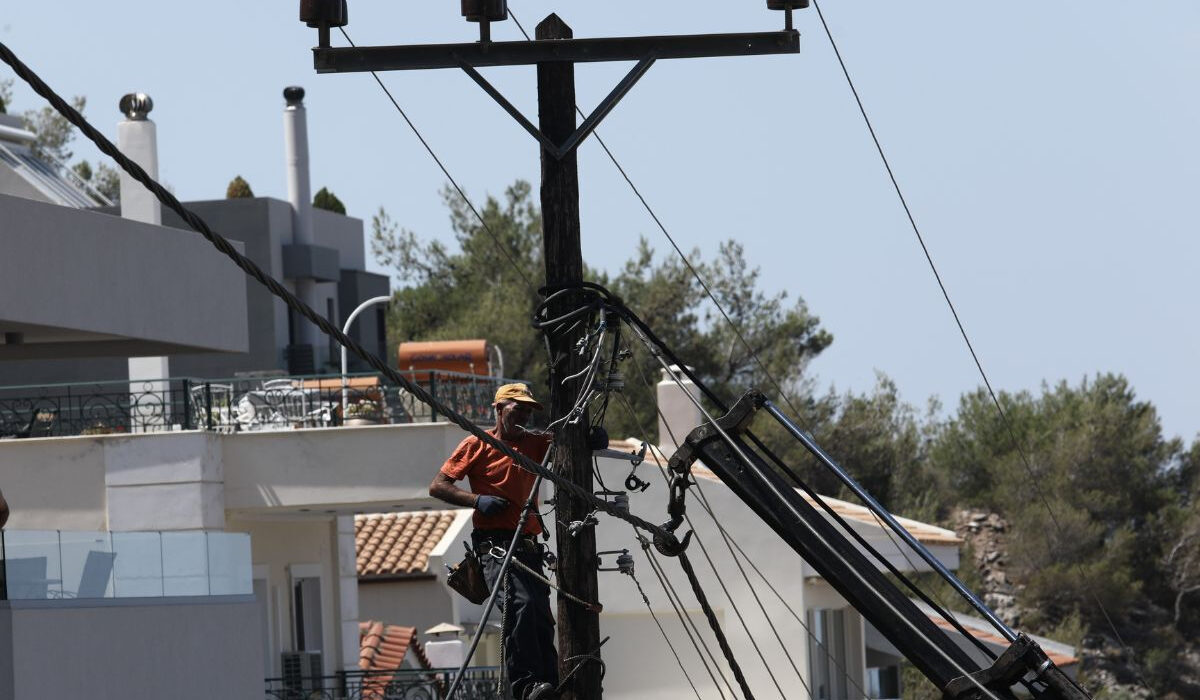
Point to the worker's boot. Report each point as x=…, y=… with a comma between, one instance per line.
x=540, y=691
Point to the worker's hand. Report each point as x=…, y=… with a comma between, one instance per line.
x=490, y=505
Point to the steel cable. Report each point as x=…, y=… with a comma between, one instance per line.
x=698, y=590
x=276, y=288
x=684, y=619
x=720, y=581
x=666, y=638
x=882, y=599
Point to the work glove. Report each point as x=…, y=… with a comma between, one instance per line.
x=490, y=505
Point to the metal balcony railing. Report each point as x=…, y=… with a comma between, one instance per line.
x=479, y=683
x=237, y=404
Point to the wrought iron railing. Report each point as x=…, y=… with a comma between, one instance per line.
x=479, y=683
x=237, y=404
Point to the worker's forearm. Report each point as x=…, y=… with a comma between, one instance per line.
x=448, y=492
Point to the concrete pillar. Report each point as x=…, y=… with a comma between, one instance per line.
x=677, y=409
x=137, y=137
x=347, y=591
x=295, y=141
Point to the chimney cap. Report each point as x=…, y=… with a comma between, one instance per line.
x=135, y=106
x=294, y=94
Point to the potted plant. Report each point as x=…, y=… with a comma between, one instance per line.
x=363, y=412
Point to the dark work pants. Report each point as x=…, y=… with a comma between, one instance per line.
x=530, y=656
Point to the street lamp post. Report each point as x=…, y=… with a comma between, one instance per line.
x=346, y=330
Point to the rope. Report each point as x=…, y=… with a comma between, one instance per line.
x=714, y=624
x=276, y=288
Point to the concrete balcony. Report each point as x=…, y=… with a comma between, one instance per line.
x=83, y=284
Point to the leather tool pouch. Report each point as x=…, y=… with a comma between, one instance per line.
x=467, y=578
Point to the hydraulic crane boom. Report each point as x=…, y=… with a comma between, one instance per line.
x=721, y=448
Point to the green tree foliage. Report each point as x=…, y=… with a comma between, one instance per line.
x=238, y=189
x=53, y=140
x=5, y=95
x=476, y=292
x=104, y=179
x=1085, y=499
x=773, y=344
x=324, y=199
x=54, y=133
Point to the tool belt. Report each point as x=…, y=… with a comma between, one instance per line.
x=485, y=540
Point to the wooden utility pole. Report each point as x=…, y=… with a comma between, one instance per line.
x=555, y=53
x=578, y=629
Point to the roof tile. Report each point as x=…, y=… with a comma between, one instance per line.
x=394, y=544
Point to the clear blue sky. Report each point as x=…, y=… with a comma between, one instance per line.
x=1049, y=154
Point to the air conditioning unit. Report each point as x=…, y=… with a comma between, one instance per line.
x=303, y=672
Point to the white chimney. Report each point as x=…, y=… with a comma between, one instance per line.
x=137, y=137
x=295, y=138
x=676, y=409
x=295, y=143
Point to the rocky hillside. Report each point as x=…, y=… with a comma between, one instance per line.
x=1106, y=669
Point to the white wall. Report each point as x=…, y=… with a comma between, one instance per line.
x=54, y=483
x=375, y=467
x=639, y=663
x=277, y=546
x=191, y=649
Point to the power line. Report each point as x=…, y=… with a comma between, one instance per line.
x=684, y=618
x=770, y=623
x=666, y=638
x=495, y=239
x=961, y=329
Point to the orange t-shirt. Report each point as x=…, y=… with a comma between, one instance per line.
x=490, y=472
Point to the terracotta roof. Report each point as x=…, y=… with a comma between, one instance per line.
x=1061, y=654
x=397, y=544
x=923, y=532
x=381, y=652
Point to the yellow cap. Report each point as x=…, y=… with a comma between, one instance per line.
x=517, y=392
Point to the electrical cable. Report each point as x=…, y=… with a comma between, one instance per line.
x=495, y=239
x=696, y=537
x=713, y=623
x=684, y=619
x=666, y=638
x=276, y=288
x=731, y=543
x=883, y=600
x=734, y=328
x=785, y=469
x=962, y=331
x=695, y=273
x=644, y=333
